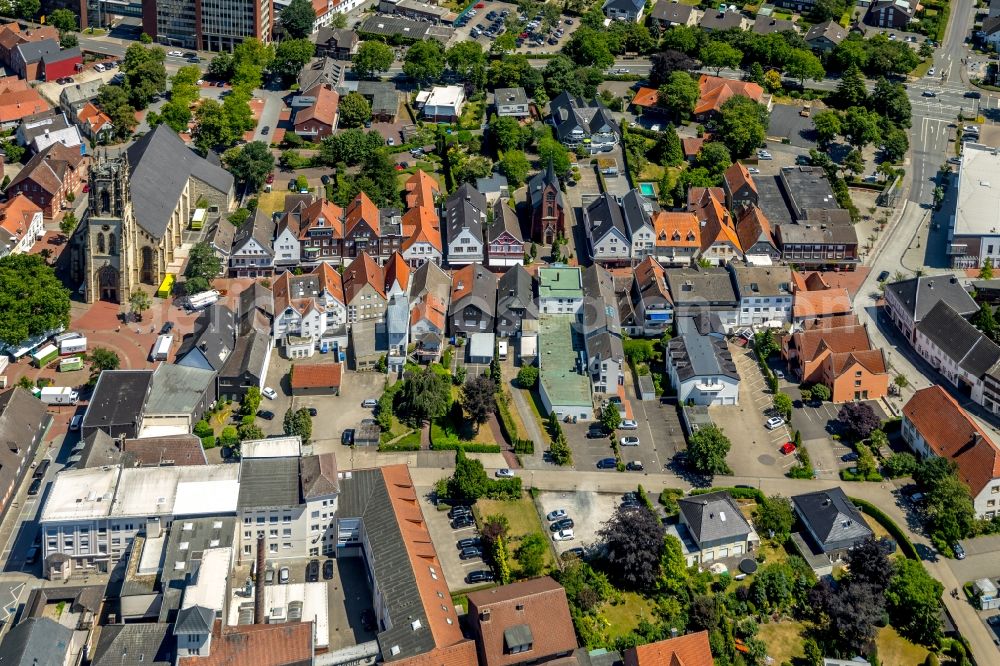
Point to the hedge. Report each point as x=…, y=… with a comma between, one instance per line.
x=739, y=492
x=905, y=545
x=401, y=445
x=468, y=448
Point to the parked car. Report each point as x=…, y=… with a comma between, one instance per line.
x=312, y=411
x=634, y=466
x=283, y=575
x=167, y=327
x=564, y=524
x=472, y=542
x=312, y=571
x=563, y=535
x=607, y=463
x=479, y=576
x=849, y=457
x=958, y=550
x=470, y=553
x=369, y=403
x=753, y=171
x=265, y=130
x=556, y=514
x=175, y=54
x=596, y=433
x=629, y=424
x=74, y=423
x=269, y=393
x=266, y=414
x=629, y=440
x=41, y=469
x=504, y=473
x=788, y=448
x=763, y=155
x=774, y=422
x=328, y=570
x=347, y=438
x=573, y=552
x=462, y=522
x=460, y=510
x=882, y=277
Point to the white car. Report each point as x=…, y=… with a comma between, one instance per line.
x=628, y=424
x=753, y=170
x=505, y=473
x=369, y=403
x=557, y=514
x=269, y=393
x=774, y=422
x=175, y=54
x=563, y=535
x=630, y=440
x=74, y=423
x=390, y=141
x=932, y=71
x=763, y=155
x=99, y=67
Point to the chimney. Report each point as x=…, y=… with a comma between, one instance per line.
x=258, y=598
x=203, y=346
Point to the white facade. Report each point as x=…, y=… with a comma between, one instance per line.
x=442, y=102
x=757, y=309
x=420, y=252
x=465, y=248
x=643, y=242
x=948, y=367
x=565, y=305
x=707, y=390
x=251, y=259
x=23, y=242
x=612, y=247
x=287, y=249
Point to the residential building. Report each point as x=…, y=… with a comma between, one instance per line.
x=252, y=253
x=247, y=365
x=624, y=10
x=116, y=404
x=707, y=292
x=831, y=521
x=18, y=100
x=464, y=218
x=765, y=294
x=421, y=226
x=41, y=130
x=529, y=619
x=769, y=25
x=719, y=242
x=428, y=328
x=563, y=383
x=722, y=19
x=313, y=76
x=337, y=43
x=203, y=25
x=548, y=207
x=638, y=212
x=427, y=281
x=838, y=354
x=808, y=306
x=654, y=309
x=714, y=91
x=37, y=640
x=825, y=36
x=602, y=331
x=371, y=231
x=818, y=243
x=179, y=396
x=26, y=59
x=441, y=103
x=511, y=102
x=895, y=14
x=23, y=424
x=291, y=643
x=607, y=238
x=669, y=13
x=713, y=528
x=560, y=289
x=504, y=243
x=934, y=424
x=49, y=177
x=22, y=224
x=700, y=366
x=212, y=340
x=94, y=123
x=99, y=450
x=473, y=301
x=494, y=187
x=310, y=312
x=12, y=36
x=515, y=301
x=972, y=236
x=739, y=187
x=755, y=235
x=688, y=650
x=319, y=119
x=581, y=122
x=908, y=301
x=75, y=96
x=364, y=291
x=678, y=237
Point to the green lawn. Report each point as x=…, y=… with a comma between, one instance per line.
x=535, y=402
x=472, y=115
x=622, y=619
x=784, y=640
x=453, y=427
x=894, y=650
x=921, y=69
x=523, y=519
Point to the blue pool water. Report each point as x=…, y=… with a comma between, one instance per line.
x=647, y=189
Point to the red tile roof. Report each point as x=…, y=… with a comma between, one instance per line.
x=48, y=169
x=322, y=213
x=289, y=644
x=363, y=270
x=842, y=339
x=362, y=209
x=179, y=450
x=17, y=102
x=688, y=650
x=421, y=190
x=17, y=214
x=821, y=303
x=691, y=145
x=93, y=117
x=737, y=176
x=421, y=225
x=431, y=309
x=397, y=270
x=677, y=229
x=751, y=225
x=715, y=91
x=708, y=205
x=316, y=375
x=324, y=109
x=646, y=97
x=951, y=433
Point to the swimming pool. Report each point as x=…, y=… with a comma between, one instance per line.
x=647, y=189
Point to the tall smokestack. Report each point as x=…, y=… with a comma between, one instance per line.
x=258, y=597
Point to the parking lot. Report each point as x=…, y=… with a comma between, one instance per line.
x=589, y=510
x=476, y=25
x=445, y=538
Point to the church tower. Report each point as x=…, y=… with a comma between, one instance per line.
x=111, y=231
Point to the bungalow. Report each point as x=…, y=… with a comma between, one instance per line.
x=831, y=521
x=723, y=19
x=714, y=91
x=442, y=103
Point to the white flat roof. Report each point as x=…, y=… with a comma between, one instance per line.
x=153, y=491
x=445, y=96
x=207, y=498
x=273, y=447
x=81, y=494
x=162, y=431
x=151, y=557
x=209, y=590
x=312, y=595
x=977, y=208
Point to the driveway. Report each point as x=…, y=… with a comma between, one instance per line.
x=786, y=123
x=444, y=539
x=589, y=511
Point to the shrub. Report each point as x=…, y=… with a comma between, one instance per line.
x=208, y=442
x=467, y=447
x=203, y=429
x=527, y=377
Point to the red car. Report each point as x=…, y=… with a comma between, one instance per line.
x=270, y=178
x=480, y=5
x=523, y=35
x=86, y=187
x=788, y=448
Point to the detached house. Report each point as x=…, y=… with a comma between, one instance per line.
x=624, y=10
x=512, y=102
x=319, y=119
x=49, y=177
x=442, y=103
x=654, y=309
x=607, y=237
x=473, y=301
x=309, y=312
x=668, y=13
x=712, y=527
x=464, y=218
x=504, y=244
x=638, y=212
x=579, y=122
x=714, y=91
x=548, y=207
x=833, y=525
x=252, y=253
x=678, y=237
x=364, y=290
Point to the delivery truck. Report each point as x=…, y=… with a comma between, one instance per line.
x=59, y=395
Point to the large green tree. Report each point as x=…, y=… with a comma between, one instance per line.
x=354, y=110
x=145, y=73
x=774, y=518
x=589, y=48
x=479, y=399
x=743, y=125
x=250, y=163
x=679, y=94
x=424, y=62
x=827, y=125
x=290, y=56
x=530, y=554
x=707, y=450
x=468, y=61
x=469, y=480
x=913, y=600
x=372, y=59
x=851, y=89
x=718, y=55
x=213, y=127
x=297, y=19
x=62, y=20
x=861, y=126
x=32, y=299
x=803, y=64
x=203, y=266
x=890, y=99
x=114, y=101
x=950, y=510
x=424, y=395
x=514, y=166
x=633, y=546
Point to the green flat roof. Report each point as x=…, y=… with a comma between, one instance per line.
x=557, y=363
x=559, y=282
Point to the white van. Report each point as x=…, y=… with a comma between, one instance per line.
x=502, y=350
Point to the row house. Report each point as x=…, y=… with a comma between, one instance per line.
x=429, y=298
x=678, y=237
x=421, y=226
x=370, y=231
x=720, y=243
x=473, y=300
x=765, y=294
x=464, y=217
x=310, y=312
x=311, y=232
x=602, y=331
x=50, y=177
x=560, y=289
x=364, y=291
x=651, y=300
x=23, y=224
x=607, y=238
x=638, y=212
x=907, y=302
x=504, y=243
x=515, y=302
x=252, y=253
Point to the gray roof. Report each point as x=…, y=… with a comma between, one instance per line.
x=465, y=209
x=504, y=219
x=960, y=341
x=696, y=285
x=510, y=96
x=118, y=398
x=267, y=482
x=693, y=353
x=384, y=96
x=637, y=211
x=496, y=182
x=600, y=312
x=99, y=449
x=714, y=517
x=340, y=38
x=570, y=112
x=212, y=340
x=40, y=124
x=834, y=229
x=752, y=281
x=256, y=309
x=36, y=641
x=23, y=418
x=604, y=216
x=135, y=645
x=78, y=94
x=220, y=236
x=830, y=29
x=766, y=25
x=395, y=25
x=319, y=475
x=365, y=496
x=161, y=166
x=397, y=315
x=194, y=620
x=430, y=279
x=831, y=516
x=259, y=227
x=326, y=71
x=540, y=181
x=807, y=188
x=672, y=12
x=32, y=52
x=919, y=295
x=178, y=389
x=516, y=292
x=634, y=6
x=483, y=294
x=714, y=20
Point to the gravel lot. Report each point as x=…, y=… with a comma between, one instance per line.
x=588, y=510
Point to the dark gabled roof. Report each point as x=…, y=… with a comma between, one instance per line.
x=714, y=517
x=474, y=285
x=960, y=341
x=429, y=279
x=695, y=353
x=766, y=25
x=637, y=211
x=570, y=112
x=268, y=482
x=504, y=220
x=715, y=20
x=919, y=295
x=319, y=475
x=194, y=620
x=36, y=641
x=672, y=12
x=465, y=209
x=625, y=5
x=540, y=181
x=599, y=311
x=259, y=227
x=516, y=292
x=135, y=645
x=605, y=216
x=212, y=340
x=161, y=166
x=22, y=418
x=831, y=30
x=59, y=56
x=256, y=309
x=118, y=398
x=32, y=52
x=831, y=516
x=700, y=285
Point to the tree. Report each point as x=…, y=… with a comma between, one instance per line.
x=913, y=600
x=719, y=55
x=531, y=554
x=290, y=56
x=102, y=359
x=827, y=125
x=203, y=266
x=985, y=321
x=213, y=127
x=859, y=418
x=250, y=164
x=248, y=431
x=783, y=405
x=851, y=90
x=527, y=376
x=251, y=401
x=27, y=9
x=854, y=162
x=803, y=64
x=852, y=612
x=933, y=470
x=707, y=450
x=950, y=510
x=139, y=302
x=469, y=480
x=350, y=147
x=550, y=150
x=743, y=125
x=514, y=166
x=610, y=417
x=824, y=10
x=890, y=99
x=354, y=110
x=821, y=392
x=62, y=20
x=900, y=464
x=424, y=62
x=506, y=133
x=32, y=299
x=478, y=399
x=589, y=48
x=222, y=66
x=633, y=545
x=774, y=517
x=114, y=101
x=67, y=225
x=297, y=19
x=424, y=395
x=679, y=94
x=896, y=143
x=869, y=564
x=298, y=422
x=467, y=60
x=667, y=150
x=861, y=126
x=986, y=272
x=713, y=157
x=145, y=74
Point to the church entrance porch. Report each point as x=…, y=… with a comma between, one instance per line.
x=107, y=284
